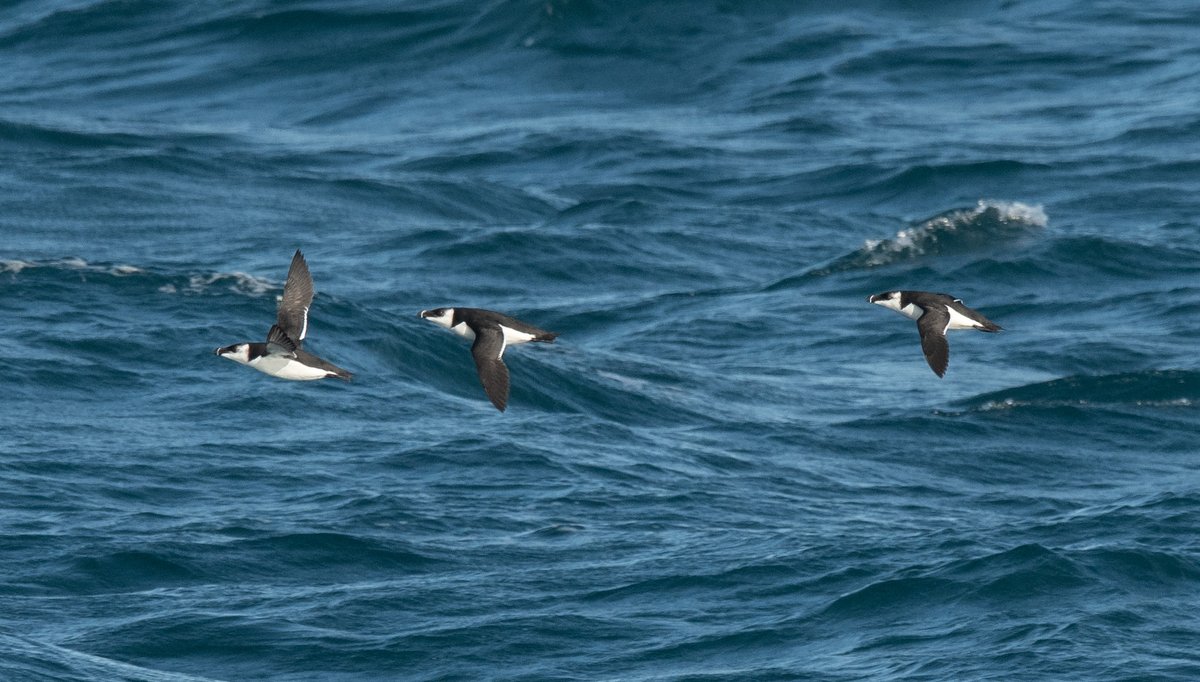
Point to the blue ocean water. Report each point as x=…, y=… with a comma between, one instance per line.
x=729, y=467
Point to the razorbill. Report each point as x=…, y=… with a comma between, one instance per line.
x=935, y=314
x=492, y=333
x=281, y=355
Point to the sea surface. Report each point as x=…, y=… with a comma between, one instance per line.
x=730, y=466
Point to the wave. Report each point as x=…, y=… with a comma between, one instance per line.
x=39, y=273
x=1152, y=388
x=1027, y=572
x=1091, y=255
x=284, y=38
x=22, y=658
x=63, y=134
x=71, y=264
x=957, y=231
x=309, y=555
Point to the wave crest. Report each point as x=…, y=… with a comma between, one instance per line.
x=73, y=263
x=955, y=231
x=961, y=230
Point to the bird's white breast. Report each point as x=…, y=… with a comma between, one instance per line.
x=911, y=310
x=463, y=330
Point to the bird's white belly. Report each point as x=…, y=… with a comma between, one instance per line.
x=960, y=321
x=911, y=311
x=512, y=336
x=287, y=368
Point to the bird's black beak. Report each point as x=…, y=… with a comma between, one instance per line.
x=422, y=314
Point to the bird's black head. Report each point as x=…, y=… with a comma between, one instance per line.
x=440, y=316
x=238, y=352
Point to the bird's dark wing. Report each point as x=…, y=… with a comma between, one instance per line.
x=279, y=343
x=297, y=297
x=932, y=326
x=487, y=349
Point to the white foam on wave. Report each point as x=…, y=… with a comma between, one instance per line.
x=15, y=266
x=1011, y=403
x=625, y=381
x=72, y=263
x=1015, y=211
x=234, y=281
x=917, y=240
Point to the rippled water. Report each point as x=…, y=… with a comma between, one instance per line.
x=729, y=466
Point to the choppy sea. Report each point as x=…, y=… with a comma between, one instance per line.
x=730, y=466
